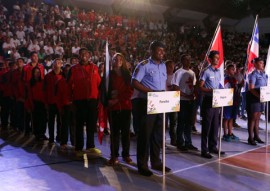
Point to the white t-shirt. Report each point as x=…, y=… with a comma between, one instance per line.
x=185, y=80
x=48, y=50
x=75, y=50
x=20, y=35
x=59, y=50
x=168, y=82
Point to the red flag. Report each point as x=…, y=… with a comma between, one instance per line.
x=218, y=46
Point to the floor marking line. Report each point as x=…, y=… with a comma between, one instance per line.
x=231, y=165
x=214, y=161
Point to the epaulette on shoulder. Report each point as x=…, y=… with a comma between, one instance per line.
x=144, y=62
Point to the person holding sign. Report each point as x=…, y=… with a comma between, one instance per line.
x=230, y=112
x=257, y=79
x=150, y=75
x=184, y=81
x=209, y=80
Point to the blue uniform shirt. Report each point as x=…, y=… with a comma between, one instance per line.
x=151, y=75
x=211, y=78
x=258, y=79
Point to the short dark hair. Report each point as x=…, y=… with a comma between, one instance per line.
x=212, y=53
x=258, y=59
x=183, y=56
x=229, y=66
x=32, y=53
x=82, y=49
x=155, y=44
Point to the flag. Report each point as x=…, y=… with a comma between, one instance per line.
x=102, y=106
x=218, y=46
x=267, y=66
x=253, y=47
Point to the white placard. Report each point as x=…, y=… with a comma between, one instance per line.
x=265, y=94
x=163, y=102
x=222, y=97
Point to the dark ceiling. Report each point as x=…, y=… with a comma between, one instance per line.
x=235, y=9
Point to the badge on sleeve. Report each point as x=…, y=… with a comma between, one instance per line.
x=136, y=71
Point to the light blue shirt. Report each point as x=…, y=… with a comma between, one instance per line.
x=258, y=79
x=211, y=78
x=151, y=75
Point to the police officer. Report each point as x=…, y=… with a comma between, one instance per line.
x=257, y=79
x=150, y=75
x=209, y=80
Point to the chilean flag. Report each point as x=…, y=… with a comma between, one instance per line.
x=253, y=47
x=267, y=67
x=218, y=45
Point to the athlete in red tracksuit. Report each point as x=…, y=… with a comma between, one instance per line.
x=7, y=99
x=36, y=103
x=27, y=75
x=64, y=105
x=84, y=81
x=19, y=94
x=120, y=92
x=50, y=82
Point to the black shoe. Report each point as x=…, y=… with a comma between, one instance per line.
x=215, y=151
x=160, y=168
x=182, y=148
x=252, y=142
x=191, y=147
x=206, y=155
x=258, y=140
x=145, y=172
x=173, y=142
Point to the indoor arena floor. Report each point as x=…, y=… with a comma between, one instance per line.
x=26, y=166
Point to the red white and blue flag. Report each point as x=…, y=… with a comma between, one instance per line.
x=253, y=47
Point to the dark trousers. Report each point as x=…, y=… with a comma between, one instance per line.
x=39, y=119
x=136, y=114
x=19, y=115
x=52, y=114
x=85, y=112
x=210, y=125
x=171, y=119
x=28, y=122
x=67, y=127
x=185, y=123
x=5, y=111
x=120, y=125
x=149, y=137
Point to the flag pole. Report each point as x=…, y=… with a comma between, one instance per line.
x=219, y=22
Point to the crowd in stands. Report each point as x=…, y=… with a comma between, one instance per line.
x=55, y=30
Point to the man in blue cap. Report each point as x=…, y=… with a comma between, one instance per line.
x=149, y=76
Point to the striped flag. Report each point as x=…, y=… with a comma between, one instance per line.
x=102, y=106
x=267, y=66
x=253, y=47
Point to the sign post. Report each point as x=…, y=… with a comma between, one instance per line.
x=163, y=102
x=221, y=98
x=265, y=97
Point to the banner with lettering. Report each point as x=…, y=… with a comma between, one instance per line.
x=163, y=102
x=222, y=97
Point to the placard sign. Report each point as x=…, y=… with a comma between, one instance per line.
x=222, y=97
x=265, y=94
x=163, y=102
